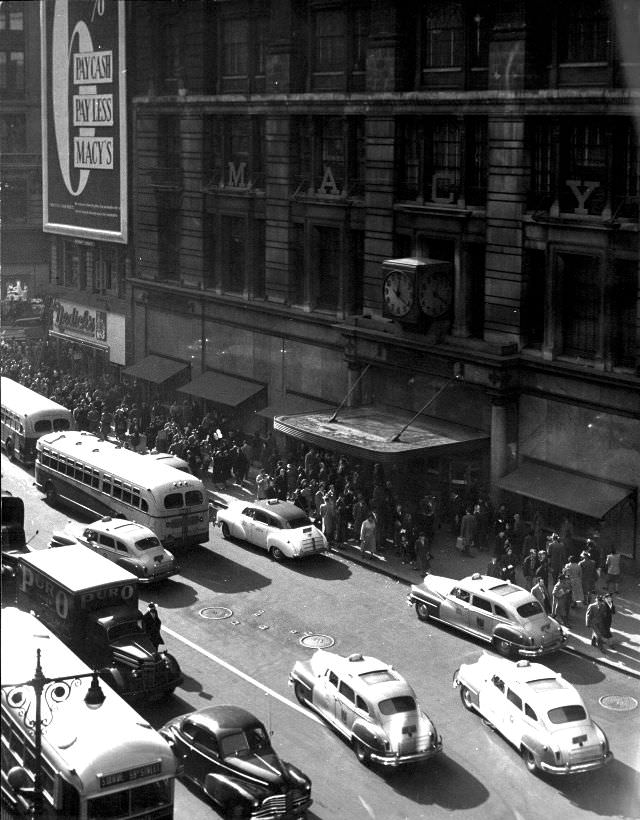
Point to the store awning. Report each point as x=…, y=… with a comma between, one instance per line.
x=293, y=404
x=552, y=485
x=229, y=391
x=155, y=369
x=367, y=432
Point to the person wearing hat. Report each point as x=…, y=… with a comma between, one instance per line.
x=557, y=551
x=561, y=600
x=529, y=568
x=541, y=594
x=589, y=576
x=595, y=619
x=151, y=623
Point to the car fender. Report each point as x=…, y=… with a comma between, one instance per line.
x=302, y=673
x=537, y=748
x=418, y=595
x=508, y=633
x=281, y=544
x=372, y=736
x=221, y=788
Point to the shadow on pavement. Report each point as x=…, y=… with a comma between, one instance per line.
x=440, y=781
x=219, y=574
x=610, y=792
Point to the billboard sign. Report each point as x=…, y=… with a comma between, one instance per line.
x=84, y=135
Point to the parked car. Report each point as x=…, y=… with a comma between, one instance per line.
x=496, y=611
x=537, y=711
x=280, y=527
x=126, y=543
x=370, y=704
x=227, y=752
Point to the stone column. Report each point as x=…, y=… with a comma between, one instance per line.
x=499, y=444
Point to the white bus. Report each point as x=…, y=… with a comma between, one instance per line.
x=98, y=762
x=26, y=415
x=103, y=478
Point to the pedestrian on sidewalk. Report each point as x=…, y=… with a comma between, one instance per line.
x=557, y=552
x=151, y=624
x=468, y=531
x=406, y=548
x=541, y=594
x=368, y=536
x=612, y=566
x=574, y=573
x=529, y=568
x=561, y=600
x=494, y=568
x=595, y=619
x=589, y=577
x=607, y=618
x=423, y=554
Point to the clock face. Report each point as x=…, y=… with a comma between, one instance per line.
x=435, y=294
x=398, y=293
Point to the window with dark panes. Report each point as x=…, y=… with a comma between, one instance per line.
x=580, y=299
x=583, y=31
x=326, y=258
x=624, y=300
x=237, y=143
x=476, y=156
x=479, y=22
x=584, y=168
x=409, y=142
x=359, y=27
x=12, y=71
x=332, y=149
x=258, y=269
x=235, y=47
x=234, y=243
x=169, y=57
x=539, y=141
x=444, y=160
x=169, y=141
x=533, y=313
x=168, y=238
x=298, y=274
x=329, y=41
x=209, y=226
x=443, y=35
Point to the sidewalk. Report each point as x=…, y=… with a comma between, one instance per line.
x=624, y=655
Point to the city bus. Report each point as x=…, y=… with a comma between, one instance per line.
x=104, y=478
x=96, y=761
x=26, y=415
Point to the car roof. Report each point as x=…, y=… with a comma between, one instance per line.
x=356, y=667
x=222, y=718
x=121, y=527
x=510, y=594
x=538, y=682
x=285, y=509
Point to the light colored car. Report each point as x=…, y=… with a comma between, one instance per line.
x=370, y=704
x=126, y=543
x=537, y=711
x=496, y=611
x=280, y=527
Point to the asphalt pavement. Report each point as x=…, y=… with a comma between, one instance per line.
x=624, y=652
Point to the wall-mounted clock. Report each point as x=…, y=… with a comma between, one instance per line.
x=435, y=290
x=398, y=293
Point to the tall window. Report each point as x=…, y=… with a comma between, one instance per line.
x=329, y=41
x=476, y=160
x=327, y=267
x=235, y=47
x=298, y=273
x=258, y=269
x=168, y=238
x=234, y=243
x=583, y=33
x=234, y=150
x=169, y=141
x=443, y=35
x=580, y=300
x=624, y=299
x=11, y=17
x=584, y=162
x=534, y=296
x=12, y=72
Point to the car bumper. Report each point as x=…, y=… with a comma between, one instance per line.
x=539, y=651
x=145, y=580
x=578, y=768
x=400, y=760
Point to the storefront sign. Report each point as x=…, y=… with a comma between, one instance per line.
x=84, y=119
x=81, y=322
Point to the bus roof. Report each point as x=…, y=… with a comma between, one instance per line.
x=117, y=461
x=77, y=568
x=26, y=402
x=81, y=743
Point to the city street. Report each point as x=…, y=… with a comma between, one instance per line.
x=245, y=659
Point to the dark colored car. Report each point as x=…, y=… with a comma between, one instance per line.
x=13, y=541
x=227, y=752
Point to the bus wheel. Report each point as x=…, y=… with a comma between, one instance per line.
x=51, y=493
x=10, y=450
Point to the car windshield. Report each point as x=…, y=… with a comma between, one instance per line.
x=394, y=706
x=529, y=609
x=148, y=543
x=567, y=714
x=253, y=740
x=297, y=522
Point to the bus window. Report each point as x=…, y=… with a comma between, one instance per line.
x=143, y=505
x=61, y=424
x=126, y=494
x=95, y=479
x=42, y=426
x=135, y=496
x=117, y=488
x=173, y=501
x=79, y=471
x=106, y=484
x=193, y=497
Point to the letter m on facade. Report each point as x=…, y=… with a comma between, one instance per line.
x=236, y=175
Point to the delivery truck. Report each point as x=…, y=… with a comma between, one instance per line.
x=91, y=604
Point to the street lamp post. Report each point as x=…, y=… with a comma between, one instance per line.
x=42, y=685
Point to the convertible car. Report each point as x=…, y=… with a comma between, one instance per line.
x=496, y=611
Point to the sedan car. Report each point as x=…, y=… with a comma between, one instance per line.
x=279, y=527
x=537, y=711
x=368, y=703
x=126, y=543
x=496, y=611
x=227, y=752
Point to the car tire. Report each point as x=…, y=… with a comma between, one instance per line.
x=465, y=697
x=529, y=760
x=503, y=647
x=226, y=532
x=422, y=611
x=277, y=554
x=51, y=494
x=361, y=751
x=300, y=692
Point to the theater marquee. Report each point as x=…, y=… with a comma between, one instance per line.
x=84, y=137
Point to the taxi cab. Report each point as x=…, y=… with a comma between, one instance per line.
x=495, y=611
x=537, y=711
x=126, y=543
x=370, y=704
x=279, y=527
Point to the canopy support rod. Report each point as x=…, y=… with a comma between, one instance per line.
x=334, y=417
x=456, y=377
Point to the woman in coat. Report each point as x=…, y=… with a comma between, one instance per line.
x=573, y=571
x=561, y=597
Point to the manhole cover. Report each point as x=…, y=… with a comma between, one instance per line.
x=619, y=703
x=216, y=613
x=317, y=641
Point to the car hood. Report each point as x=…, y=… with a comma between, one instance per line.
x=438, y=584
x=266, y=767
